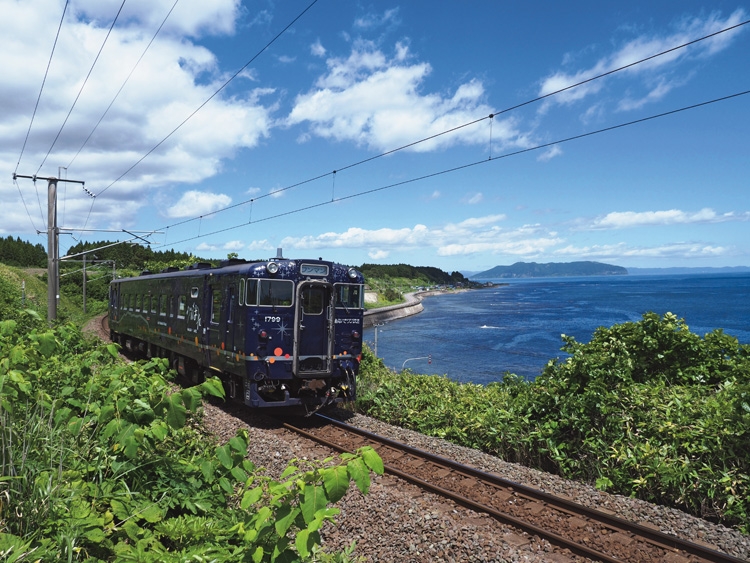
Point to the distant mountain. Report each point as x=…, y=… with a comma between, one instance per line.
x=551, y=270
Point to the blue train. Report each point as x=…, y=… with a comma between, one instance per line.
x=279, y=333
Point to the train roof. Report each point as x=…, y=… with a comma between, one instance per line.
x=232, y=265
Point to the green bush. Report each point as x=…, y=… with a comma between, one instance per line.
x=105, y=461
x=645, y=409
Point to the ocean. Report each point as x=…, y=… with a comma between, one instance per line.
x=477, y=336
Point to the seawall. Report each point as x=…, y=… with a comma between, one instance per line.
x=411, y=306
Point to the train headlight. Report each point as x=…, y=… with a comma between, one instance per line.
x=352, y=273
x=272, y=267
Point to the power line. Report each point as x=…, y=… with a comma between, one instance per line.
x=211, y=97
x=491, y=116
x=464, y=166
x=44, y=80
x=125, y=82
x=82, y=86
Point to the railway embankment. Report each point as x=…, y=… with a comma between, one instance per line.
x=411, y=306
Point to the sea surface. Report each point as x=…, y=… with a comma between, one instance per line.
x=478, y=335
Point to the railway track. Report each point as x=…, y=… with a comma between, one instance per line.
x=583, y=531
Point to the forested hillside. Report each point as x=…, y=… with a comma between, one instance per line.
x=429, y=274
x=23, y=254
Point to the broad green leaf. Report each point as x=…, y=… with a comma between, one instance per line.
x=132, y=529
x=106, y=414
x=225, y=456
x=213, y=387
x=372, y=459
x=130, y=447
x=285, y=516
x=239, y=445
x=258, y=554
x=251, y=497
x=159, y=430
x=238, y=473
x=113, y=351
x=63, y=415
x=176, y=412
x=290, y=469
x=336, y=482
x=152, y=513
x=226, y=484
x=359, y=473
x=313, y=499
x=192, y=398
x=95, y=535
x=47, y=344
x=207, y=468
x=74, y=426
x=302, y=543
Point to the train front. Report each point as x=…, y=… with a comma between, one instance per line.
x=305, y=328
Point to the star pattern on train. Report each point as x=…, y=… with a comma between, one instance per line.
x=282, y=329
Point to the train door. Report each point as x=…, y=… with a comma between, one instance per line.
x=222, y=300
x=313, y=338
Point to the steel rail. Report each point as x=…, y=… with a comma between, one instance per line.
x=659, y=539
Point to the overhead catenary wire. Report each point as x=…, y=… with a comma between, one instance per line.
x=41, y=89
x=85, y=81
x=431, y=137
x=211, y=97
x=467, y=165
x=33, y=116
x=491, y=117
x=127, y=79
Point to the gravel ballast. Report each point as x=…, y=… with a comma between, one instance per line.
x=398, y=521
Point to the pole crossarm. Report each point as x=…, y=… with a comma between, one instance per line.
x=50, y=179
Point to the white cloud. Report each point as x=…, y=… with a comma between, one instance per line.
x=234, y=245
x=629, y=219
x=194, y=203
x=656, y=73
x=172, y=80
x=376, y=102
x=317, y=49
x=483, y=234
x=474, y=199
x=622, y=251
x=378, y=254
x=550, y=153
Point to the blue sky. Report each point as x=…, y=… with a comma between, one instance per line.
x=363, y=132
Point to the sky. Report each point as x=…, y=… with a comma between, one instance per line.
x=455, y=134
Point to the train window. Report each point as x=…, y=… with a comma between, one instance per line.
x=194, y=292
x=162, y=305
x=154, y=303
x=171, y=306
x=313, y=300
x=276, y=292
x=242, y=292
x=215, y=307
x=251, y=292
x=349, y=295
x=138, y=302
x=181, y=307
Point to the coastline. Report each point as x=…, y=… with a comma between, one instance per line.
x=412, y=305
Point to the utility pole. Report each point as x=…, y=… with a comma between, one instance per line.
x=84, y=284
x=53, y=249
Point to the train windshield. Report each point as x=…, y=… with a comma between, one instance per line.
x=349, y=295
x=276, y=292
